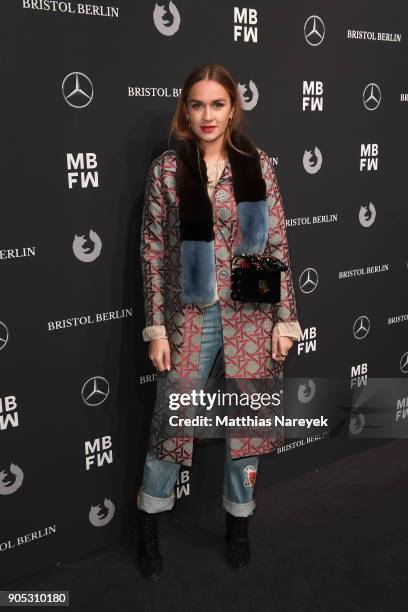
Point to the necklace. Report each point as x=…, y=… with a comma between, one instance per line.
x=213, y=179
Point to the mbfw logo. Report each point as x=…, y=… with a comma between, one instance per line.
x=361, y=327
x=367, y=214
x=307, y=341
x=87, y=249
x=308, y=280
x=245, y=24
x=98, y=451
x=312, y=95
x=166, y=20
x=82, y=167
x=77, y=90
x=99, y=517
x=183, y=483
x=401, y=412
x=312, y=160
x=371, y=96
x=358, y=376
x=248, y=102
x=7, y=487
x=314, y=30
x=4, y=335
x=95, y=391
x=369, y=157
x=8, y=412
x=306, y=391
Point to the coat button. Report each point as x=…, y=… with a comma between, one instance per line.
x=223, y=274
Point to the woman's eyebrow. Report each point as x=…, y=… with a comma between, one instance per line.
x=217, y=100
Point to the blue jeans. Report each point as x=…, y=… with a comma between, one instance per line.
x=159, y=477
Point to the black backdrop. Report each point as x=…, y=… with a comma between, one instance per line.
x=76, y=387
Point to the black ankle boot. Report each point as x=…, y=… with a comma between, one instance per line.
x=149, y=557
x=238, y=549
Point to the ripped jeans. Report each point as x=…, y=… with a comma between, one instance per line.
x=156, y=493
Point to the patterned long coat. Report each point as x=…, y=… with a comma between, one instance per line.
x=246, y=327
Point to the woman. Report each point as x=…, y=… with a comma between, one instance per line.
x=213, y=196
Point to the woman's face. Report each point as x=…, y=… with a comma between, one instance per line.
x=208, y=104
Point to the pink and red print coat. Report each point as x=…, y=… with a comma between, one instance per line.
x=246, y=327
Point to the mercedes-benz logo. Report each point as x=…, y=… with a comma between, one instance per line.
x=308, y=280
x=314, y=30
x=371, y=96
x=404, y=363
x=361, y=327
x=4, y=335
x=77, y=89
x=95, y=391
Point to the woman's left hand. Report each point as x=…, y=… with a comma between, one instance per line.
x=280, y=345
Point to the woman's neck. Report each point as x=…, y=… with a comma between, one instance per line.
x=213, y=151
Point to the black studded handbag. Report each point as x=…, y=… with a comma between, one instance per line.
x=256, y=278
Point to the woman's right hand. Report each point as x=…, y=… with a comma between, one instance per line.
x=159, y=353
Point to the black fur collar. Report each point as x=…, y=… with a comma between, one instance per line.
x=196, y=215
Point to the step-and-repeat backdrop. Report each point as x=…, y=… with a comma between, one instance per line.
x=88, y=93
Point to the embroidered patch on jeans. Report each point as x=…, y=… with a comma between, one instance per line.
x=250, y=476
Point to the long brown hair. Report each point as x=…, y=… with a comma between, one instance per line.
x=216, y=72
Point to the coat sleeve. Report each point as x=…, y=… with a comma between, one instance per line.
x=152, y=253
x=277, y=246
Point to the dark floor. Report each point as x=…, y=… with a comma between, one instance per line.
x=334, y=539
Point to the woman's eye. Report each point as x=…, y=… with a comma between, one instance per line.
x=197, y=104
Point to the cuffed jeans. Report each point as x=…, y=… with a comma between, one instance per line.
x=159, y=477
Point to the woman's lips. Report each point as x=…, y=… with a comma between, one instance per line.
x=208, y=128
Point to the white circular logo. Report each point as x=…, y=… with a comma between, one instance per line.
x=314, y=30
x=306, y=391
x=85, y=251
x=308, y=280
x=312, y=160
x=167, y=21
x=77, y=90
x=95, y=391
x=99, y=517
x=4, y=335
x=404, y=363
x=248, y=103
x=371, y=96
x=357, y=422
x=367, y=214
x=361, y=327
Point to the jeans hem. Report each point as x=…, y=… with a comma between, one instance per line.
x=152, y=504
x=237, y=509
